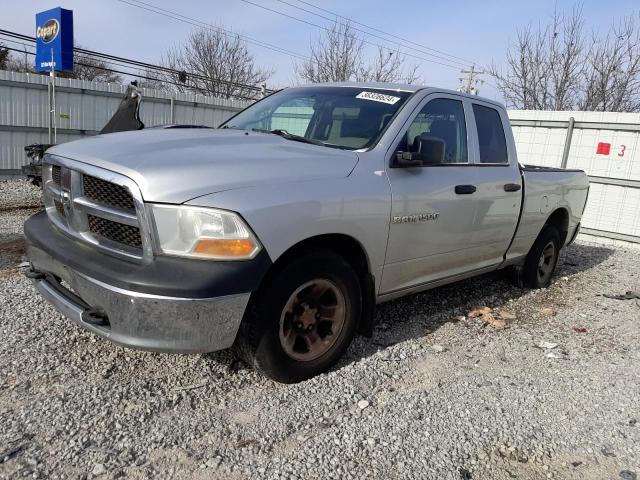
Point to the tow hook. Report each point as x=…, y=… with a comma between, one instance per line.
x=95, y=317
x=34, y=274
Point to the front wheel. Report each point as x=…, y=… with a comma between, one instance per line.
x=303, y=319
x=541, y=260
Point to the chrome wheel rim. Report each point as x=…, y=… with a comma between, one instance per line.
x=546, y=262
x=312, y=320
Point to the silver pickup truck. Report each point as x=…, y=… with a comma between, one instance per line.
x=280, y=231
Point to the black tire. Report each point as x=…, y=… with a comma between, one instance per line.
x=262, y=341
x=541, y=260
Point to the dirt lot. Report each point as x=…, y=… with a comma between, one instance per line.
x=435, y=394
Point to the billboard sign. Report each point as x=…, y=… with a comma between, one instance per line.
x=54, y=40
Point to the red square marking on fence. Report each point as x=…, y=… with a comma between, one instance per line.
x=603, y=149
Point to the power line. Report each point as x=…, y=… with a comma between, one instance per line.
x=466, y=61
x=328, y=30
x=146, y=77
x=121, y=61
x=351, y=22
x=192, y=21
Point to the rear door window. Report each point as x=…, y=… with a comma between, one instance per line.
x=493, y=144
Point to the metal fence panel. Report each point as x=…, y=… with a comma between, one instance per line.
x=606, y=145
x=83, y=108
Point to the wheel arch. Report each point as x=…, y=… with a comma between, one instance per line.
x=559, y=219
x=353, y=252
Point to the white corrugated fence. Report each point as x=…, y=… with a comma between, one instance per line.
x=603, y=144
x=84, y=107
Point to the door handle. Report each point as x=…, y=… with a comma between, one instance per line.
x=511, y=187
x=465, y=189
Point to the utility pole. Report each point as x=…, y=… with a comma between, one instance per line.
x=468, y=83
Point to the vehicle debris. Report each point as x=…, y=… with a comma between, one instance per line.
x=507, y=315
x=579, y=329
x=478, y=312
x=547, y=345
x=487, y=316
x=629, y=295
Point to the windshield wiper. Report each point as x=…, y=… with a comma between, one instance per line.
x=289, y=136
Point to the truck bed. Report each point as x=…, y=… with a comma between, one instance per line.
x=547, y=189
x=537, y=168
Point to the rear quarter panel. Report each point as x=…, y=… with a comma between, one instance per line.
x=545, y=192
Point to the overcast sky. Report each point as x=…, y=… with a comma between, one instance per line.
x=477, y=31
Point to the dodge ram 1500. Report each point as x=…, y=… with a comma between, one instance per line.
x=278, y=232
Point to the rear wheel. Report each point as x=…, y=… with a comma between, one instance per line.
x=303, y=319
x=541, y=260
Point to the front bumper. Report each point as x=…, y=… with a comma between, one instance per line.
x=137, y=305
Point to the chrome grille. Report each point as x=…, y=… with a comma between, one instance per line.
x=97, y=206
x=114, y=231
x=107, y=193
x=59, y=208
x=55, y=174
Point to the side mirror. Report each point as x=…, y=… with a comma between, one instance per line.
x=431, y=149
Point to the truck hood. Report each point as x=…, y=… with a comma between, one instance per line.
x=174, y=165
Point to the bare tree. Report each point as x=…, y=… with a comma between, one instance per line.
x=4, y=57
x=89, y=68
x=555, y=67
x=388, y=66
x=339, y=55
x=333, y=58
x=18, y=62
x=154, y=79
x=613, y=81
x=545, y=66
x=213, y=62
x=85, y=67
x=566, y=50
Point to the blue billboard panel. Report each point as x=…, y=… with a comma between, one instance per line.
x=54, y=40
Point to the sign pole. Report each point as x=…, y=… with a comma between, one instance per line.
x=54, y=52
x=52, y=74
x=49, y=110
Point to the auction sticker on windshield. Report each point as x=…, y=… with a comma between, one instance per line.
x=378, y=97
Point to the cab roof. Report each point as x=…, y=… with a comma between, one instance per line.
x=399, y=87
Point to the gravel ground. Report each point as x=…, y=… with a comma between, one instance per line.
x=435, y=394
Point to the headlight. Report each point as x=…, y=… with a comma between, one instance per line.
x=203, y=233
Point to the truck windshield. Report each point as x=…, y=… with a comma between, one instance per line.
x=340, y=117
